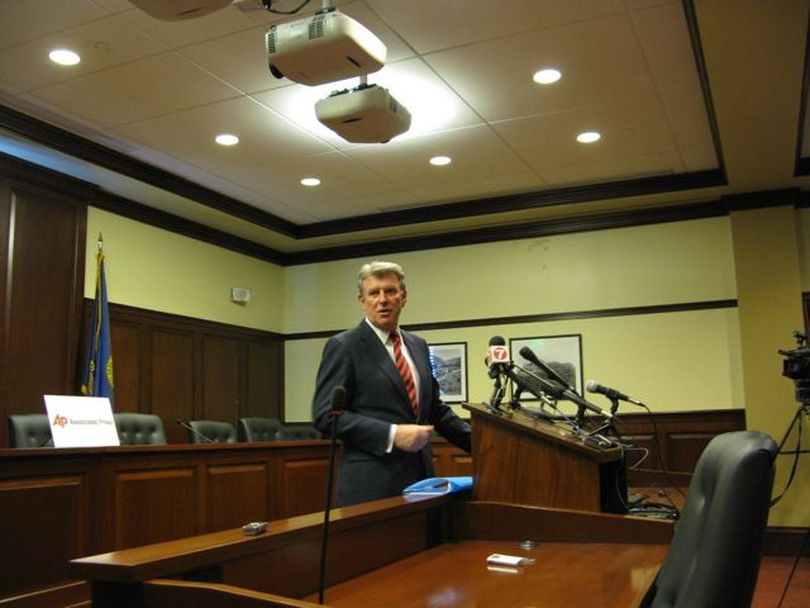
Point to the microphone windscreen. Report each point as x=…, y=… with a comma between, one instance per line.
x=497, y=341
x=527, y=353
x=592, y=386
x=338, y=398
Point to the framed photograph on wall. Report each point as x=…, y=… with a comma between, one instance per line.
x=563, y=354
x=449, y=363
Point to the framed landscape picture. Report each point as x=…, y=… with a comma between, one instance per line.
x=563, y=354
x=449, y=363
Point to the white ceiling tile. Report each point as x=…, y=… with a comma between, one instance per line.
x=361, y=203
x=183, y=32
x=189, y=135
x=476, y=152
x=479, y=186
x=24, y=20
x=451, y=24
x=101, y=44
x=686, y=112
x=614, y=169
x=344, y=183
x=239, y=59
x=150, y=87
x=664, y=37
x=80, y=125
x=600, y=60
x=114, y=6
x=629, y=129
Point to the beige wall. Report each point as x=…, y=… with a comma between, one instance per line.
x=650, y=265
x=674, y=361
x=767, y=259
x=155, y=269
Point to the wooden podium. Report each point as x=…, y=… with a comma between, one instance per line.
x=522, y=460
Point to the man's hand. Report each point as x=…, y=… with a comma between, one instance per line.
x=412, y=437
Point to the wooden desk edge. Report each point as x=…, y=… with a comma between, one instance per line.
x=481, y=520
x=162, y=559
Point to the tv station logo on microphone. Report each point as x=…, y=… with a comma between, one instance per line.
x=499, y=354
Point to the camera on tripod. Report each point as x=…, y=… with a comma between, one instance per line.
x=796, y=366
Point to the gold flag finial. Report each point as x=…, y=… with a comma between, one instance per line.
x=100, y=242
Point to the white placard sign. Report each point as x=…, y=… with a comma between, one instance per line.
x=81, y=422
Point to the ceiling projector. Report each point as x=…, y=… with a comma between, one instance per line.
x=367, y=114
x=176, y=10
x=326, y=47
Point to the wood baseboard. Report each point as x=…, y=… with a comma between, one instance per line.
x=783, y=540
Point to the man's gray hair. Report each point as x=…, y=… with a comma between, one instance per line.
x=378, y=268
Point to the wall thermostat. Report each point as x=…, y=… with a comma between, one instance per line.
x=240, y=295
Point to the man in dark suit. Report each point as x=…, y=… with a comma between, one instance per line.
x=392, y=399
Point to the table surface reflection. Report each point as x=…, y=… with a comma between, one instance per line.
x=569, y=575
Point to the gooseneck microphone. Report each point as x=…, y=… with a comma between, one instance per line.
x=593, y=386
x=559, y=392
x=499, y=362
x=194, y=431
x=338, y=401
x=528, y=354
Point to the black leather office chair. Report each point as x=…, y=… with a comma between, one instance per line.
x=139, y=429
x=715, y=552
x=260, y=429
x=211, y=431
x=293, y=431
x=29, y=431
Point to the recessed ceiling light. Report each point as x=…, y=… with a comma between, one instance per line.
x=310, y=181
x=547, y=76
x=588, y=137
x=441, y=161
x=226, y=139
x=64, y=57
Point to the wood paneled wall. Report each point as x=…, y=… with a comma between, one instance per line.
x=189, y=369
x=41, y=277
x=674, y=440
x=59, y=504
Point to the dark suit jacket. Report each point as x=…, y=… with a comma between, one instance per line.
x=375, y=399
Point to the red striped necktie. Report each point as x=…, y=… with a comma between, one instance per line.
x=404, y=370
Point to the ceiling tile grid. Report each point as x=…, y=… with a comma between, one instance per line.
x=159, y=91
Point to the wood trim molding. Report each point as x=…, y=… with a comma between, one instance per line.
x=540, y=318
x=134, y=314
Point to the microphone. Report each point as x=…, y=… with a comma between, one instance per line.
x=194, y=431
x=338, y=401
x=555, y=390
x=497, y=356
x=497, y=360
x=528, y=354
x=593, y=386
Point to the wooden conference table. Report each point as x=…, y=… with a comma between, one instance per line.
x=403, y=551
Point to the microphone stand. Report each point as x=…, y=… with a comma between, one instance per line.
x=194, y=431
x=498, y=391
x=338, y=397
x=610, y=424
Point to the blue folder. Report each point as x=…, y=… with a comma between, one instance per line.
x=440, y=485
